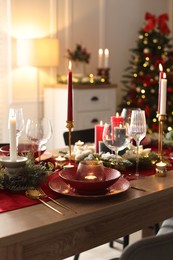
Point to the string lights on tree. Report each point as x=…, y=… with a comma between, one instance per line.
x=141, y=83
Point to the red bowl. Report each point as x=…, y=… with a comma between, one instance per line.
x=90, y=187
x=23, y=150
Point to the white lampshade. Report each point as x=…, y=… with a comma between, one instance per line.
x=41, y=52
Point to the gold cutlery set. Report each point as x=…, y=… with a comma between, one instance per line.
x=39, y=194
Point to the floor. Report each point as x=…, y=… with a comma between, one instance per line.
x=104, y=252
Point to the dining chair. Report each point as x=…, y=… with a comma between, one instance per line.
x=157, y=247
x=84, y=135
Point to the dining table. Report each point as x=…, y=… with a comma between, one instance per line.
x=35, y=232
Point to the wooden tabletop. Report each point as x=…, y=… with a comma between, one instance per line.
x=36, y=232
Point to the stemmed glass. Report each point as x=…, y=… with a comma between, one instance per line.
x=39, y=132
x=126, y=114
x=116, y=138
x=137, y=131
x=17, y=113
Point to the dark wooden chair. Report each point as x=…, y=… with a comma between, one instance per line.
x=84, y=135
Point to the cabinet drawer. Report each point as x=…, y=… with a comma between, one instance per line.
x=95, y=99
x=84, y=120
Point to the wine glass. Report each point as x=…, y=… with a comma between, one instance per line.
x=39, y=132
x=126, y=114
x=116, y=137
x=17, y=113
x=137, y=131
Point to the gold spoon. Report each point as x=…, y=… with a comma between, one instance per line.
x=37, y=195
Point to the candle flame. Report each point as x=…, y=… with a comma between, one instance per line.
x=160, y=67
x=164, y=75
x=70, y=65
x=117, y=114
x=106, y=52
x=100, y=51
x=101, y=123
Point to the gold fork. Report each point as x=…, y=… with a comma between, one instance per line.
x=56, y=202
x=37, y=195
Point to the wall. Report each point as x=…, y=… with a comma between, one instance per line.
x=93, y=23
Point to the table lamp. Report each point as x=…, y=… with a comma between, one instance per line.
x=39, y=53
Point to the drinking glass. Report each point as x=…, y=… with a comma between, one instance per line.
x=137, y=131
x=39, y=132
x=126, y=114
x=116, y=138
x=17, y=113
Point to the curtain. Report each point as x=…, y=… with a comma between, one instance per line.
x=5, y=68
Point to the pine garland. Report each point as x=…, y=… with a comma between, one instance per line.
x=27, y=177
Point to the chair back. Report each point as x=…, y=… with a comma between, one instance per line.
x=84, y=135
x=153, y=248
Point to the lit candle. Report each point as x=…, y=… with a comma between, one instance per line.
x=106, y=58
x=68, y=166
x=98, y=135
x=161, y=169
x=100, y=63
x=12, y=137
x=161, y=165
x=160, y=77
x=70, y=98
x=60, y=159
x=163, y=92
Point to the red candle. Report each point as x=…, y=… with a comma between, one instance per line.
x=70, y=97
x=98, y=135
x=116, y=120
x=160, y=78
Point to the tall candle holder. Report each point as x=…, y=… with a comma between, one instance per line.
x=161, y=166
x=69, y=126
x=104, y=74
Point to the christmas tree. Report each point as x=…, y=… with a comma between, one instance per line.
x=141, y=84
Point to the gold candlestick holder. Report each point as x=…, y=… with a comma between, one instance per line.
x=69, y=126
x=161, y=165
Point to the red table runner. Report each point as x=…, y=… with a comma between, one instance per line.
x=11, y=201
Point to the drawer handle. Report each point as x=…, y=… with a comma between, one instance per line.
x=94, y=120
x=94, y=98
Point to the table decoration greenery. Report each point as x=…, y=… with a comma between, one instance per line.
x=124, y=162
x=27, y=177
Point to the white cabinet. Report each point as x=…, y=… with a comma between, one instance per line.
x=91, y=104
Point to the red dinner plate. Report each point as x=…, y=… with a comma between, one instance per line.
x=59, y=186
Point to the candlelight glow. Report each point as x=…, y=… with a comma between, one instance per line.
x=106, y=52
x=160, y=67
x=90, y=177
x=70, y=65
x=100, y=52
x=164, y=75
